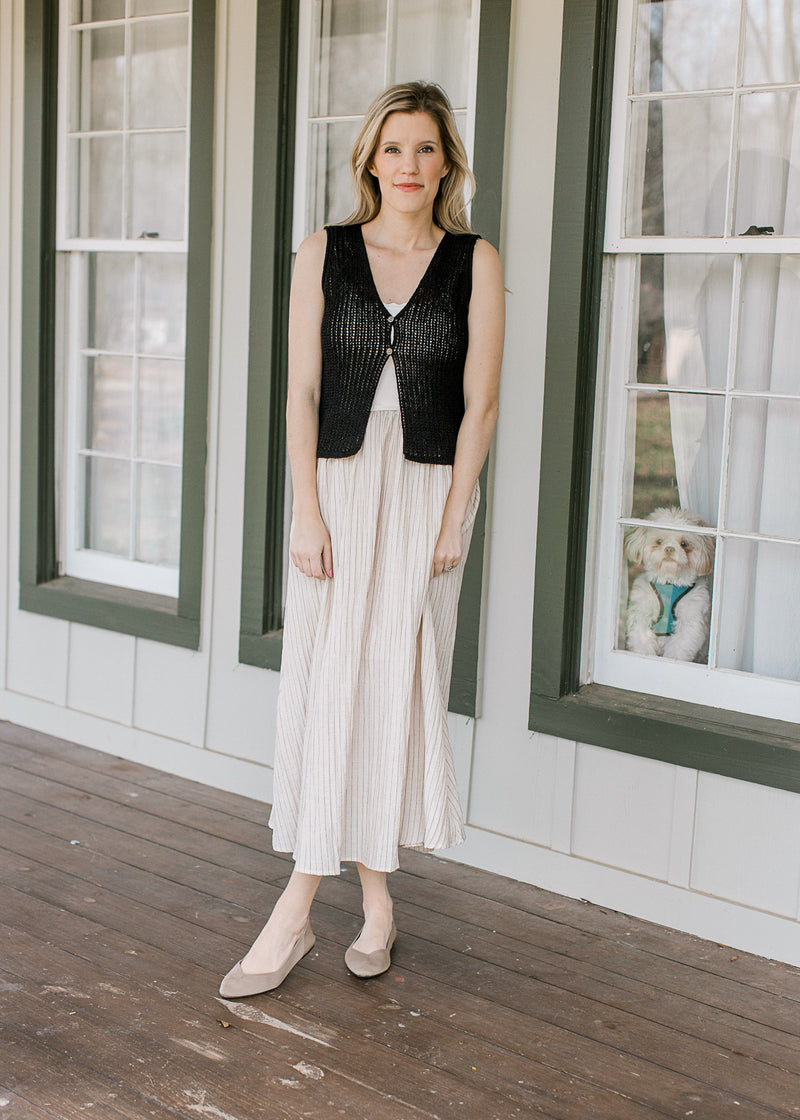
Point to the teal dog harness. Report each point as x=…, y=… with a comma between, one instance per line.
x=669, y=595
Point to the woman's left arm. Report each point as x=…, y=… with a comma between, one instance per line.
x=481, y=384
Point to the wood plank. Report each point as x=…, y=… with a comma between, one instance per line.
x=677, y=1093
x=524, y=995
x=243, y=893
x=16, y=1107
x=665, y=972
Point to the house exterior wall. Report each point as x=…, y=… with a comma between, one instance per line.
x=711, y=855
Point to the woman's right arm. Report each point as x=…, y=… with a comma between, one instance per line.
x=310, y=545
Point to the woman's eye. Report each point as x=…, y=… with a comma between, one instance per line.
x=426, y=148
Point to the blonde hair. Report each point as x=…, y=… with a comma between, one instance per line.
x=449, y=207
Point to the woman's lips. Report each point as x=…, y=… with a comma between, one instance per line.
x=409, y=186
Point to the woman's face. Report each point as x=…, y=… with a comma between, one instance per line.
x=409, y=162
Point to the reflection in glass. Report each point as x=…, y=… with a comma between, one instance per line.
x=674, y=452
x=99, y=186
x=349, y=70
x=84, y=11
x=685, y=45
x=157, y=185
x=108, y=403
x=160, y=409
x=107, y=505
x=157, y=7
x=330, y=195
x=764, y=456
x=760, y=612
x=678, y=167
x=768, y=172
x=162, y=328
x=666, y=584
x=769, y=325
x=159, y=73
x=98, y=82
x=111, y=302
x=684, y=319
x=772, y=35
x=431, y=43
x=158, y=514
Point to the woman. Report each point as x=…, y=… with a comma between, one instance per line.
x=395, y=341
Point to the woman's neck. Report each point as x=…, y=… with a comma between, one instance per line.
x=403, y=232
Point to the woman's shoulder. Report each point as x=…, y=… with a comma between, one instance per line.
x=313, y=247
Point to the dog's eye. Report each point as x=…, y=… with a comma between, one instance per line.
x=659, y=540
x=685, y=545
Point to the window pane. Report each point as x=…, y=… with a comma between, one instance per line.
x=349, y=66
x=98, y=183
x=156, y=7
x=160, y=410
x=765, y=454
x=108, y=404
x=772, y=32
x=769, y=328
x=684, y=320
x=674, y=453
x=111, y=302
x=678, y=167
x=98, y=82
x=158, y=514
x=84, y=11
x=685, y=45
x=162, y=297
x=768, y=174
x=107, y=511
x=159, y=73
x=330, y=191
x=431, y=44
x=760, y=616
x=157, y=185
x=665, y=589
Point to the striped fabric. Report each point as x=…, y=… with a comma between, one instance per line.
x=363, y=761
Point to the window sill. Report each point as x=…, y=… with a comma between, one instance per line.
x=141, y=613
x=751, y=748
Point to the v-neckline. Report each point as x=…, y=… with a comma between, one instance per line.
x=422, y=278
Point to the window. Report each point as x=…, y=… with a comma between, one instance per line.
x=114, y=421
x=123, y=150
x=701, y=387
x=327, y=59
x=680, y=329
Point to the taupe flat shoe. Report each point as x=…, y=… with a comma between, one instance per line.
x=237, y=983
x=370, y=964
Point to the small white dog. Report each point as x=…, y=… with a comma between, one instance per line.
x=669, y=606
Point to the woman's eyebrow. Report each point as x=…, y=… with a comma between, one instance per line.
x=384, y=142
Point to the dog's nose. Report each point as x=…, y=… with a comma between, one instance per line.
x=669, y=547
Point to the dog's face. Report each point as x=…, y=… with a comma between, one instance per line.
x=671, y=553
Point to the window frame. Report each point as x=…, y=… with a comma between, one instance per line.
x=174, y=620
x=752, y=748
x=260, y=637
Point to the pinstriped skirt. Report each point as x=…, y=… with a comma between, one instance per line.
x=363, y=762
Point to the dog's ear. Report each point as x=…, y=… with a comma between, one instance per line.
x=704, y=555
x=635, y=540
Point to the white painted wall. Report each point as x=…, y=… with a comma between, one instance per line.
x=706, y=854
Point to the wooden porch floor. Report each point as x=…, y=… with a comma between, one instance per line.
x=128, y=893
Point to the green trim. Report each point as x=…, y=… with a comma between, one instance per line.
x=490, y=118
x=176, y=621
x=270, y=276
x=750, y=748
x=262, y=568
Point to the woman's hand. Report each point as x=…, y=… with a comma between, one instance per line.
x=310, y=547
x=447, y=554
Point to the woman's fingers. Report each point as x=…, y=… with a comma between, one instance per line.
x=327, y=558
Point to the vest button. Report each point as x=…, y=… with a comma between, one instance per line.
x=388, y=349
x=391, y=318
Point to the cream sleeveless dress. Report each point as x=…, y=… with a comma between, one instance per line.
x=363, y=762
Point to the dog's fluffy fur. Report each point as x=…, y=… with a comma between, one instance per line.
x=670, y=553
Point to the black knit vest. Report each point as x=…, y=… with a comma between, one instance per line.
x=429, y=348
